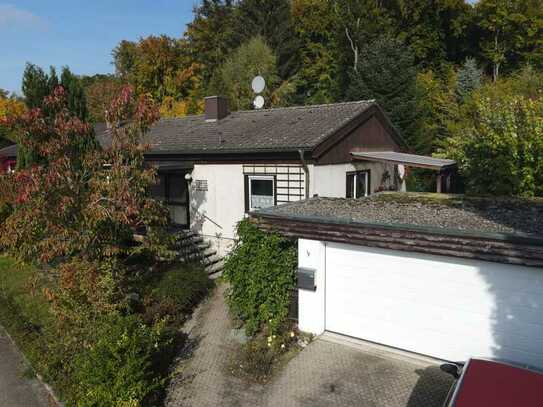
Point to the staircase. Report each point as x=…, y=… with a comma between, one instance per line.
x=194, y=248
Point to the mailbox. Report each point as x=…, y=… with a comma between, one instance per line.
x=306, y=279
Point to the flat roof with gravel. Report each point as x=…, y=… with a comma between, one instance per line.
x=434, y=211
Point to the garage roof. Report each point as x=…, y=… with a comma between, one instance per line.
x=406, y=159
x=503, y=230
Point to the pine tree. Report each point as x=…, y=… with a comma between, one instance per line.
x=386, y=72
x=75, y=93
x=470, y=77
x=37, y=85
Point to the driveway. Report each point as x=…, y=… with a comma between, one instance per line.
x=325, y=373
x=15, y=389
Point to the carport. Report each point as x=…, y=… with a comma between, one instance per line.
x=446, y=168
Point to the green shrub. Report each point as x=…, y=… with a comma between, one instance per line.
x=118, y=369
x=5, y=211
x=256, y=360
x=183, y=286
x=261, y=272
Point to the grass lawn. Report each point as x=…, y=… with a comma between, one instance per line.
x=19, y=286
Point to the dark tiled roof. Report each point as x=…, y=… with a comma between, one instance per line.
x=270, y=130
x=9, y=151
x=281, y=129
x=454, y=213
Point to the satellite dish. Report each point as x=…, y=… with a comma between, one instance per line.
x=259, y=84
x=258, y=102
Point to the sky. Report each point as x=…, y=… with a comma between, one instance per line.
x=79, y=34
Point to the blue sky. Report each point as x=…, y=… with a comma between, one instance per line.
x=80, y=34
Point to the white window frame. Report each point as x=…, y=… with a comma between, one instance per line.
x=355, y=181
x=260, y=177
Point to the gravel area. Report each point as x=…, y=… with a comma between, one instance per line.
x=439, y=211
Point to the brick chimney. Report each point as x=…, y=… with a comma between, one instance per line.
x=216, y=108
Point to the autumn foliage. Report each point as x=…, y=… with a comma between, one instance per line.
x=81, y=203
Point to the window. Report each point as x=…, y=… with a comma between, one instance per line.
x=358, y=184
x=261, y=191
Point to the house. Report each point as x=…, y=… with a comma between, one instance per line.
x=446, y=276
x=217, y=167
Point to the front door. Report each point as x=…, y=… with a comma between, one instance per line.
x=172, y=189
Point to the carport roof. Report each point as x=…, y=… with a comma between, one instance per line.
x=504, y=230
x=412, y=160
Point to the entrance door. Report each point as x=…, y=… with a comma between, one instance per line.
x=172, y=189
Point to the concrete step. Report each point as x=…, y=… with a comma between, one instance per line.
x=190, y=241
x=215, y=270
x=209, y=261
x=199, y=248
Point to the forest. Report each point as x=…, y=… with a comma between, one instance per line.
x=458, y=79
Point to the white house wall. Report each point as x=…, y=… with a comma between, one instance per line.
x=330, y=180
x=217, y=196
x=217, y=201
x=217, y=191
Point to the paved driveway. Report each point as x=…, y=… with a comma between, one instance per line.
x=15, y=389
x=332, y=374
x=324, y=374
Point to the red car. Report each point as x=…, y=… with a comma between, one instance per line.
x=482, y=383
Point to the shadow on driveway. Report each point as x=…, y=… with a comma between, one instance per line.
x=431, y=388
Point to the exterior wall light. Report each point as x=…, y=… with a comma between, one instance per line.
x=188, y=177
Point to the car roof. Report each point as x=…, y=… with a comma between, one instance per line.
x=497, y=384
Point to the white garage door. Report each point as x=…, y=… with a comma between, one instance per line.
x=444, y=307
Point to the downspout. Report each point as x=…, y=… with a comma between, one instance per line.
x=306, y=172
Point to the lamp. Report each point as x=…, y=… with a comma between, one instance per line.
x=188, y=177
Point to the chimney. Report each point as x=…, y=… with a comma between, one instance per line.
x=216, y=108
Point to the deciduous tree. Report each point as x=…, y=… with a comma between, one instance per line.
x=511, y=33
x=500, y=150
x=234, y=78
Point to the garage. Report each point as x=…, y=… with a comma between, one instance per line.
x=447, y=279
x=444, y=307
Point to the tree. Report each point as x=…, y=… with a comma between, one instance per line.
x=500, y=150
x=37, y=85
x=10, y=108
x=511, y=33
x=438, y=109
x=99, y=93
x=386, y=72
x=234, y=78
x=272, y=21
x=83, y=204
x=470, y=77
x=124, y=59
x=212, y=35
x=314, y=23
x=75, y=93
x=435, y=30
x=159, y=67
